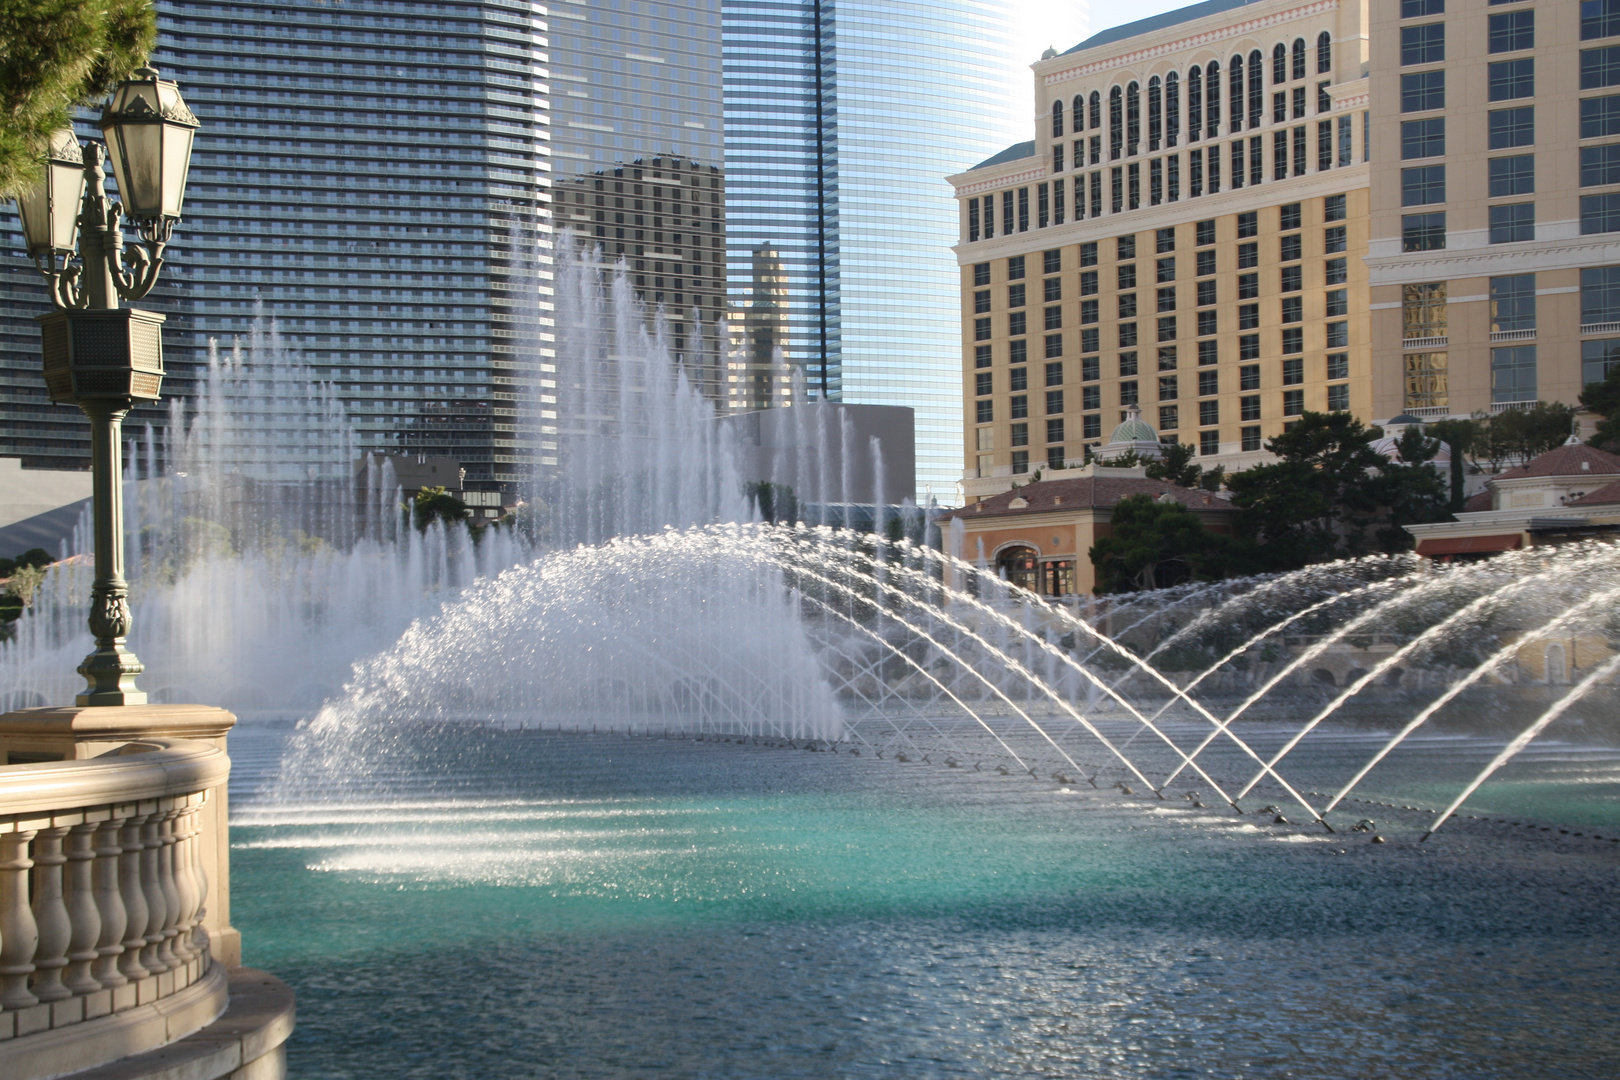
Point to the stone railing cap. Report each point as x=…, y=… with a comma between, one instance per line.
x=102, y=723
x=145, y=769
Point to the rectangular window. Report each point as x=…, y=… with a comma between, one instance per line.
x=1293, y=309
x=1167, y=358
x=1127, y=334
x=1279, y=155
x=1238, y=169
x=1205, y=264
x=1018, y=379
x=1511, y=31
x=1423, y=232
x=1128, y=393
x=1091, y=397
x=1204, y=293
x=1195, y=173
x=1173, y=178
x=1023, y=209
x=1017, y=322
x=1248, y=255
x=1346, y=156
x=1054, y=318
x=1209, y=383
x=1324, y=99
x=1165, y=270
x=1251, y=438
x=1249, y=408
x=1324, y=145
x=1338, y=335
x=1017, y=351
x=1336, y=302
x=1299, y=151
x=1052, y=289
x=1051, y=263
x=1043, y=213
x=1423, y=90
x=1249, y=347
x=983, y=384
x=1206, y=322
x=1127, y=305
x=1513, y=373
x=1257, y=160
x=1125, y=276
x=1020, y=435
x=1167, y=298
x=1337, y=272
x=1054, y=402
x=1598, y=358
x=1248, y=224
x=1338, y=366
x=981, y=301
x=1169, y=418
x=973, y=219
x=1092, y=427
x=1338, y=398
x=1167, y=388
x=1417, y=9
x=1057, y=159
x=1015, y=296
x=981, y=329
x=1088, y=283
x=1167, y=328
x=1088, y=254
x=1248, y=286
x=1164, y=240
x=1209, y=412
x=1088, y=312
x=1299, y=102
x=1213, y=160
x=1335, y=239
x=1090, y=368
x=1248, y=316
x=1054, y=430
x=1293, y=402
x=1020, y=462
x=1055, y=457
x=1423, y=138
x=1600, y=165
x=985, y=411
x=1508, y=80
x=1133, y=172
x=1209, y=352
x=1209, y=443
x=1096, y=192
x=1424, y=44
x=1600, y=116
x=1509, y=128
x=1293, y=371
x=1018, y=406
x=1116, y=191
x=1089, y=340
x=1423, y=311
x=1600, y=213
x=1514, y=175
x=1203, y=235
x=1015, y=268
x=1249, y=379
x=1425, y=381
x=1127, y=364
x=981, y=356
x=1054, y=346
x=1293, y=340
x=1291, y=248
x=1600, y=68
x=1599, y=19
x=1333, y=208
x=981, y=273
x=1513, y=223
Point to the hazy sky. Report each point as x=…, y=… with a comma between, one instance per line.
x=1063, y=24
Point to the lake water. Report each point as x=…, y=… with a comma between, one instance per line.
x=532, y=904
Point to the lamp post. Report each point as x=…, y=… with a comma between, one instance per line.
x=98, y=355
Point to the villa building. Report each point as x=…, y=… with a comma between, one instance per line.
x=1494, y=259
x=1185, y=234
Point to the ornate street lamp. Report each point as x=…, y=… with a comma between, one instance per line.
x=99, y=356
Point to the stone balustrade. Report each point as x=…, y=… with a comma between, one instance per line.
x=104, y=888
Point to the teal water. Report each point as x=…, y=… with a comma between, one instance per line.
x=525, y=905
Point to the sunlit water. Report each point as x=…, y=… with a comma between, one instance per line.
x=561, y=905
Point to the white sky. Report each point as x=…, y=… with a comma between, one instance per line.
x=1063, y=24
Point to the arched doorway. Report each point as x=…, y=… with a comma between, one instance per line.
x=1557, y=671
x=1017, y=564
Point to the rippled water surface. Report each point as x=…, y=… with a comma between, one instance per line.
x=544, y=905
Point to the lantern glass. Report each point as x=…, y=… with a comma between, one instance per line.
x=50, y=209
x=149, y=131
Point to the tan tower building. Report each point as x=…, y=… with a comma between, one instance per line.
x=1495, y=251
x=1184, y=234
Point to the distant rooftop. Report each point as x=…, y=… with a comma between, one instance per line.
x=1012, y=153
x=1159, y=22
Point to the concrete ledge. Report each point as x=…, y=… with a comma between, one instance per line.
x=247, y=1042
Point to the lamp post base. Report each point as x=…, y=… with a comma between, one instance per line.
x=110, y=672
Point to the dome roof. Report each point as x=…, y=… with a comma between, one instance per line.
x=1134, y=429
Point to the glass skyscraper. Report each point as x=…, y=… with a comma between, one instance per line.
x=842, y=119
x=370, y=173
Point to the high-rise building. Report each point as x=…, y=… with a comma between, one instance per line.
x=841, y=116
x=1183, y=235
x=370, y=174
x=1495, y=251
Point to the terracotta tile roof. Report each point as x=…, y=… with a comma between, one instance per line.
x=1566, y=461
x=1050, y=496
x=1608, y=493
x=1477, y=503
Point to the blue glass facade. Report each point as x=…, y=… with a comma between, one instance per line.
x=369, y=173
x=842, y=120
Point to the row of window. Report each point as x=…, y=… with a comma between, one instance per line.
x=1209, y=382
x=1209, y=412
x=1124, y=190
x=1516, y=30
x=1245, y=95
x=1209, y=444
x=1424, y=310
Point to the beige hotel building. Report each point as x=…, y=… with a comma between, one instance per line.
x=1185, y=233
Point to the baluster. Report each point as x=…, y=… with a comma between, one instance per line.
x=129, y=887
x=156, y=911
x=199, y=933
x=185, y=831
x=170, y=926
x=50, y=915
x=109, y=904
x=81, y=906
x=18, y=935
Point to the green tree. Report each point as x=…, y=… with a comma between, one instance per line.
x=1157, y=544
x=1177, y=466
x=1409, y=491
x=1460, y=435
x=436, y=504
x=1604, y=398
x=56, y=55
x=775, y=503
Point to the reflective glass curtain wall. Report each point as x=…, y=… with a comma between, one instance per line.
x=842, y=118
x=369, y=173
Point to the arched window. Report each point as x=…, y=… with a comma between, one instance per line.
x=1212, y=97
x=1257, y=89
x=1324, y=53
x=1299, y=59
x=1116, y=124
x=1077, y=114
x=1133, y=118
x=1018, y=566
x=1234, y=83
x=1172, y=109
x=1057, y=119
x=1195, y=103
x=1279, y=63
x=1155, y=113
x=1096, y=110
